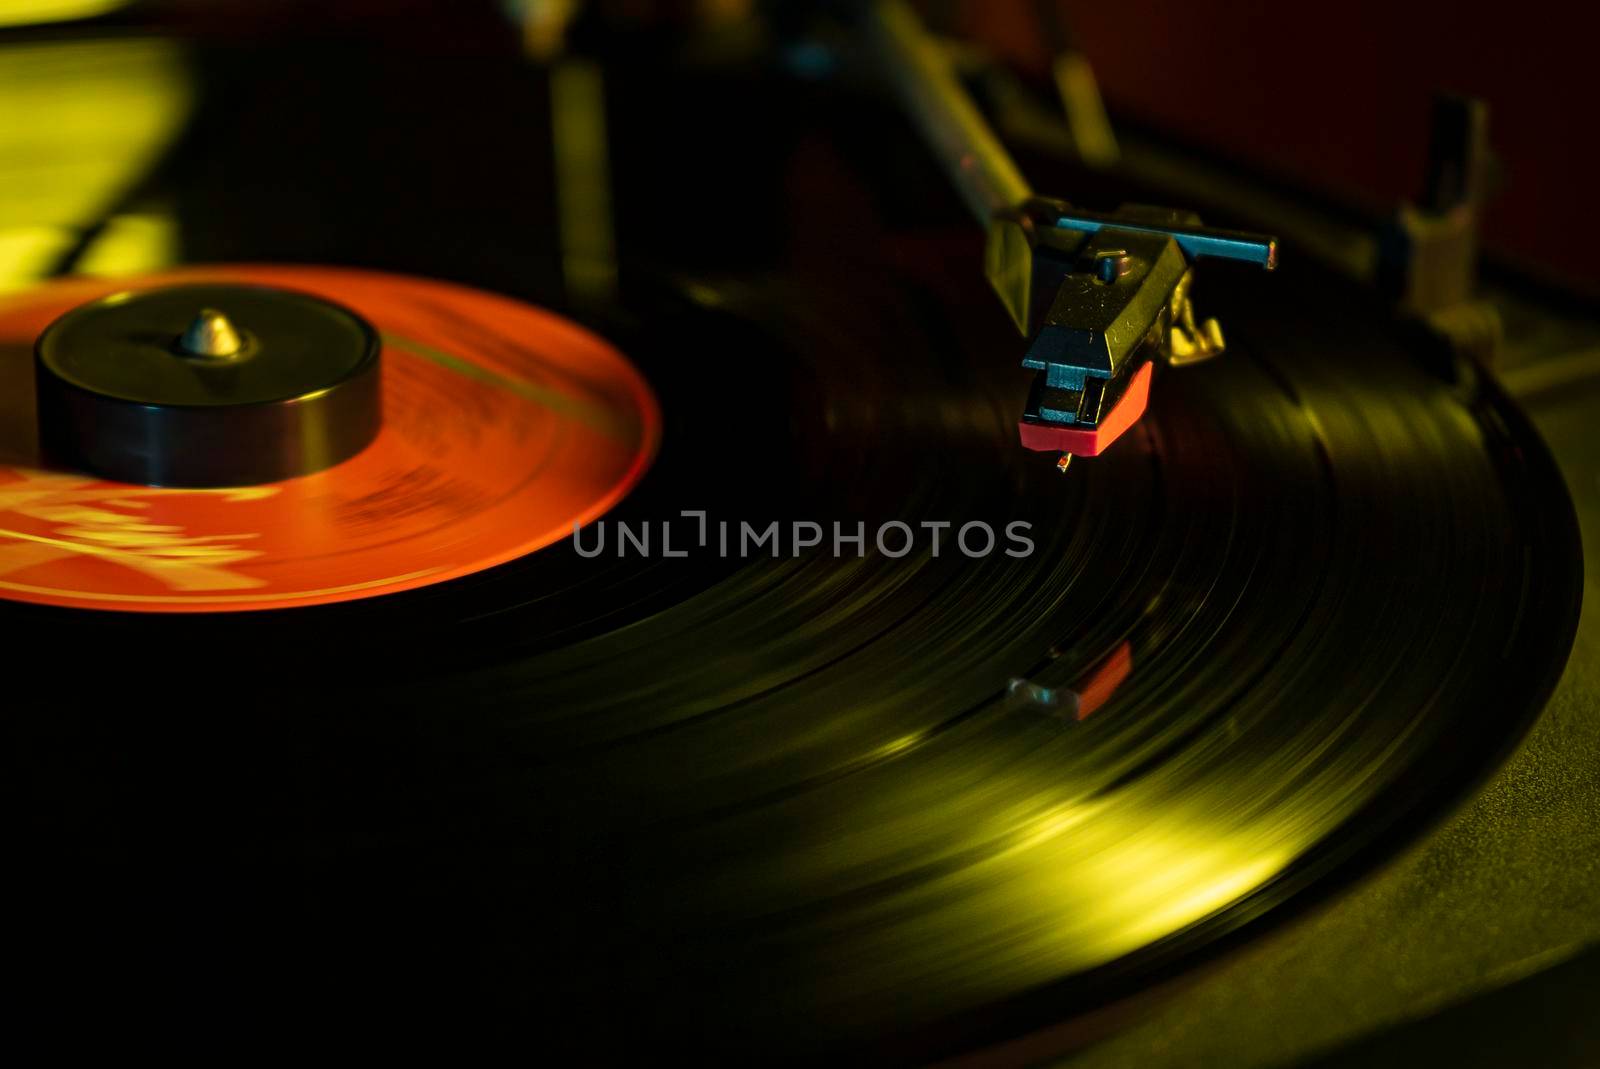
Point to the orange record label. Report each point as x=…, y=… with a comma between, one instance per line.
x=503, y=426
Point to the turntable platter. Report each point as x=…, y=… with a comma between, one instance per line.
x=821, y=800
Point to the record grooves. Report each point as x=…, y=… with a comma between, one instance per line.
x=689, y=796
x=781, y=804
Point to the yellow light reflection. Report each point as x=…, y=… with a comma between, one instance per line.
x=27, y=252
x=583, y=179
x=36, y=12
x=131, y=244
x=84, y=122
x=969, y=885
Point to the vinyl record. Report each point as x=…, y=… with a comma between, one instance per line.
x=795, y=801
x=504, y=427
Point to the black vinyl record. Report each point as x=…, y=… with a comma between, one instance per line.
x=782, y=807
x=826, y=801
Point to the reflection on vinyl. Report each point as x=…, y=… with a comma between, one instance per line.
x=770, y=798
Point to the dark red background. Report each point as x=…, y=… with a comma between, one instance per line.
x=1335, y=96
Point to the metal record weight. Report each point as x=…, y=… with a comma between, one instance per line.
x=207, y=385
